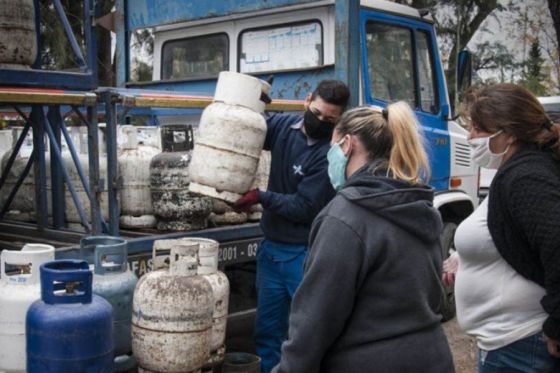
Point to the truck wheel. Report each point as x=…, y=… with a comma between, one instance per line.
x=448, y=301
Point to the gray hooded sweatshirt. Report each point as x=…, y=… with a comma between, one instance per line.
x=370, y=297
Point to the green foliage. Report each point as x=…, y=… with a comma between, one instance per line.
x=142, y=51
x=142, y=71
x=56, y=52
x=533, y=75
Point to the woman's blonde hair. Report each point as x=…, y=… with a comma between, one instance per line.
x=392, y=135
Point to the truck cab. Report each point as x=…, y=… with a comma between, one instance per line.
x=383, y=50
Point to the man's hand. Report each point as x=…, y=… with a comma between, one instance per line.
x=249, y=199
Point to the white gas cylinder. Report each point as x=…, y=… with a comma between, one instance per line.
x=134, y=167
x=208, y=267
x=17, y=292
x=23, y=205
x=230, y=138
x=172, y=311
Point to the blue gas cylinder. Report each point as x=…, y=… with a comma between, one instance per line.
x=113, y=281
x=69, y=329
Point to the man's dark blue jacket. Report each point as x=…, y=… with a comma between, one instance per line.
x=298, y=186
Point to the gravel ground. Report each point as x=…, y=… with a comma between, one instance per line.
x=463, y=347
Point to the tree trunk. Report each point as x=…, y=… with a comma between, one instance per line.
x=554, y=7
x=466, y=32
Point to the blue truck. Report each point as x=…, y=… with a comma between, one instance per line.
x=383, y=50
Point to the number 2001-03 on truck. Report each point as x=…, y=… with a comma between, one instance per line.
x=385, y=51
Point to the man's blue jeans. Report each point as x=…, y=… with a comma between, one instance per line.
x=279, y=273
x=526, y=355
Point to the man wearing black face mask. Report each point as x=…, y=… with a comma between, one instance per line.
x=298, y=189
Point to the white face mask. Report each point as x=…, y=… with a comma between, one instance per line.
x=482, y=155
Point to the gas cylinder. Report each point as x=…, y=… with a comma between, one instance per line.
x=175, y=208
x=230, y=139
x=223, y=214
x=6, y=141
x=149, y=136
x=113, y=281
x=70, y=210
x=69, y=329
x=17, y=34
x=23, y=205
x=208, y=268
x=134, y=167
x=18, y=290
x=172, y=311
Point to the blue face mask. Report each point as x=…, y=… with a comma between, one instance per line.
x=337, y=165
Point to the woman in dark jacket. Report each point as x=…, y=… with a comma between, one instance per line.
x=508, y=282
x=371, y=290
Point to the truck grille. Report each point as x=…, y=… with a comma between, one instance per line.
x=462, y=155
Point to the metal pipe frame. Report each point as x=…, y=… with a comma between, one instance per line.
x=37, y=119
x=98, y=223
x=70, y=34
x=112, y=169
x=67, y=178
x=57, y=179
x=52, y=125
x=94, y=178
x=10, y=163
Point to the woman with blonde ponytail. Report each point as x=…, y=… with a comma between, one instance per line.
x=370, y=296
x=507, y=285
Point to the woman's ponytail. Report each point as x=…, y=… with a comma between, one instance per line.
x=407, y=160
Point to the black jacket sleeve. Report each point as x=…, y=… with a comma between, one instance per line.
x=324, y=301
x=313, y=193
x=536, y=211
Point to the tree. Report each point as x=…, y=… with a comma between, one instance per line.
x=533, y=76
x=456, y=22
x=56, y=52
x=495, y=57
x=554, y=7
x=142, y=51
x=534, y=24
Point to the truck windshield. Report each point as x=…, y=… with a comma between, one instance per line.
x=196, y=57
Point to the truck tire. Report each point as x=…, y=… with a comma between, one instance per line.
x=447, y=243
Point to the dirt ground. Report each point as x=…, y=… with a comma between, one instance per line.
x=463, y=347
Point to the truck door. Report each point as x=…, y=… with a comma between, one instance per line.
x=400, y=62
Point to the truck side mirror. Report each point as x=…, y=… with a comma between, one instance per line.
x=464, y=71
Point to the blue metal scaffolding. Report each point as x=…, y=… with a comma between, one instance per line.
x=41, y=108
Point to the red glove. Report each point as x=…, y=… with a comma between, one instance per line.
x=249, y=199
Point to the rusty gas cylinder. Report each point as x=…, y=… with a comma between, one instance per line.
x=172, y=311
x=174, y=206
x=18, y=35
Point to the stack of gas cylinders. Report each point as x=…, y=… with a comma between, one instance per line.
x=168, y=178
x=91, y=314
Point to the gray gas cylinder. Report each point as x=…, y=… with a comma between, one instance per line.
x=18, y=44
x=174, y=206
